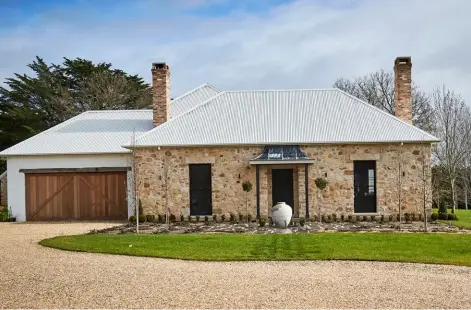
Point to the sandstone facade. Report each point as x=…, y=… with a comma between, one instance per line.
x=230, y=167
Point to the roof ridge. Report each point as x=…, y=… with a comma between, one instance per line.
x=193, y=90
x=386, y=113
x=123, y=110
x=281, y=90
x=179, y=116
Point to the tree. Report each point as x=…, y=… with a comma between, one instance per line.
x=452, y=120
x=377, y=89
x=55, y=93
x=247, y=188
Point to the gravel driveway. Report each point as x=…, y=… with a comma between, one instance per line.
x=32, y=276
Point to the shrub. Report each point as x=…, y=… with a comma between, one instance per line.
x=358, y=218
x=302, y=221
x=391, y=217
x=249, y=217
x=442, y=216
x=189, y=218
x=241, y=217
x=381, y=219
x=329, y=218
x=442, y=208
x=398, y=217
x=342, y=218
x=132, y=219
x=231, y=217
x=262, y=221
x=323, y=218
x=291, y=223
x=421, y=218
x=206, y=220
x=197, y=218
x=350, y=218
x=182, y=218
x=164, y=219
x=321, y=183
x=223, y=218
x=373, y=218
x=215, y=218
x=315, y=218
x=173, y=218
x=407, y=217
x=159, y=218
x=452, y=217
x=270, y=220
x=434, y=216
x=142, y=218
x=365, y=218
x=246, y=186
x=413, y=217
x=150, y=218
x=334, y=217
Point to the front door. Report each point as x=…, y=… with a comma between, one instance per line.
x=200, y=189
x=364, y=186
x=282, y=186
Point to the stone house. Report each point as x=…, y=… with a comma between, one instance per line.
x=192, y=154
x=282, y=141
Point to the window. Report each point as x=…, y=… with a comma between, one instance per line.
x=371, y=181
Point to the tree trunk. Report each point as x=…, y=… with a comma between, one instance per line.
x=453, y=195
x=466, y=196
x=247, y=206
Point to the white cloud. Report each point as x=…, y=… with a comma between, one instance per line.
x=304, y=44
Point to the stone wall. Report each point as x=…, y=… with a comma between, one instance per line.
x=230, y=167
x=3, y=190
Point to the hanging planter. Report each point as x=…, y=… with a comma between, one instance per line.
x=281, y=214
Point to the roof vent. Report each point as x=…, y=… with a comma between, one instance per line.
x=160, y=66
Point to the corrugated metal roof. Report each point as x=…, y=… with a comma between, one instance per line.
x=103, y=131
x=191, y=99
x=88, y=133
x=283, y=117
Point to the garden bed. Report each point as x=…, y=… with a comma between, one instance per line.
x=254, y=228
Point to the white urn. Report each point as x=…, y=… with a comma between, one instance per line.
x=281, y=214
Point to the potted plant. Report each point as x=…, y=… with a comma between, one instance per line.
x=321, y=184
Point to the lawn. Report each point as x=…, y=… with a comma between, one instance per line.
x=451, y=249
x=464, y=218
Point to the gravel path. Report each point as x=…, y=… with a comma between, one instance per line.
x=32, y=276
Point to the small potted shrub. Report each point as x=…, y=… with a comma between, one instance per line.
x=241, y=217
x=223, y=218
x=173, y=218
x=373, y=218
x=182, y=218
x=132, y=219
x=365, y=218
x=150, y=218
x=215, y=218
x=189, y=218
x=391, y=217
x=434, y=216
x=358, y=218
x=249, y=218
x=231, y=217
x=413, y=217
x=350, y=218
x=342, y=218
x=160, y=218
x=206, y=220
x=407, y=217
x=302, y=221
x=334, y=217
x=323, y=218
x=381, y=219
x=262, y=221
x=197, y=218
x=398, y=217
x=420, y=217
x=315, y=218
x=329, y=218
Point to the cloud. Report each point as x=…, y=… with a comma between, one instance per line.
x=293, y=44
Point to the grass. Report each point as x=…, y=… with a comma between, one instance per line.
x=451, y=249
x=464, y=218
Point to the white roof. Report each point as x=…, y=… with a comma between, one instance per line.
x=206, y=116
x=96, y=132
x=88, y=133
x=282, y=117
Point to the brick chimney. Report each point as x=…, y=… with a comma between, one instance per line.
x=160, y=92
x=403, y=88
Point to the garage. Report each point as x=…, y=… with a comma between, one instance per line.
x=59, y=195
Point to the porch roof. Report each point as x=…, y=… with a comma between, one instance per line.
x=281, y=154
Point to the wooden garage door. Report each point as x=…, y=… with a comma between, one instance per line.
x=76, y=196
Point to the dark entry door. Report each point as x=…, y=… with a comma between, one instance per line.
x=200, y=189
x=364, y=186
x=282, y=186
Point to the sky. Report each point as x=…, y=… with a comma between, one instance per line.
x=245, y=44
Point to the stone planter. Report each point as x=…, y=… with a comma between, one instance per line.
x=281, y=214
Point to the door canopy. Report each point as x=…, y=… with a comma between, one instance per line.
x=281, y=154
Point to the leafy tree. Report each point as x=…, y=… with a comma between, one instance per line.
x=54, y=93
